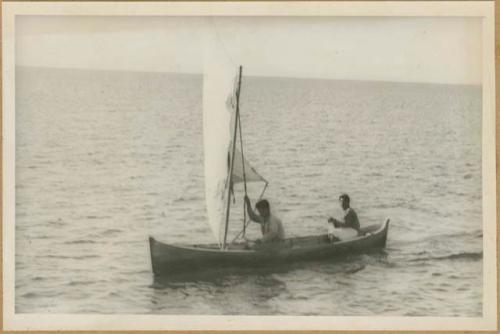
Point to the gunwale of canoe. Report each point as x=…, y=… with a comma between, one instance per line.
x=166, y=258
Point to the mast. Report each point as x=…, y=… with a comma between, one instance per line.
x=237, y=116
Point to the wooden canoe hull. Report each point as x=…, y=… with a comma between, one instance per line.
x=172, y=259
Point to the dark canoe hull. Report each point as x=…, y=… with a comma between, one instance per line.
x=172, y=259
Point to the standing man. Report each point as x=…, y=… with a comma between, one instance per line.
x=271, y=226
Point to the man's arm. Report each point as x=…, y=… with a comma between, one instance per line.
x=339, y=223
x=335, y=222
x=253, y=216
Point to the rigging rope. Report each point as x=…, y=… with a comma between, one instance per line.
x=232, y=160
x=243, y=164
x=248, y=222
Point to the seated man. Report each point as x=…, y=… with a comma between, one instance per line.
x=271, y=226
x=346, y=228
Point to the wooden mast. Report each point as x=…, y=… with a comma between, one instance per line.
x=228, y=208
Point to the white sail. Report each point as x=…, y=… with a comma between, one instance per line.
x=250, y=174
x=220, y=84
x=219, y=79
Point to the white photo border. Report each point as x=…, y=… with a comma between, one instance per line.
x=481, y=9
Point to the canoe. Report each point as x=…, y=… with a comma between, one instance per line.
x=169, y=259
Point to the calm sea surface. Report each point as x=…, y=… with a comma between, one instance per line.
x=105, y=159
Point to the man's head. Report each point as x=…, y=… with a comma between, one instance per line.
x=263, y=207
x=345, y=201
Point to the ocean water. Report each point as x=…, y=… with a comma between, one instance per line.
x=105, y=159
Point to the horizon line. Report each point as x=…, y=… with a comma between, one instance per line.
x=255, y=76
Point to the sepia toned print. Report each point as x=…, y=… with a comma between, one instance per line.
x=229, y=166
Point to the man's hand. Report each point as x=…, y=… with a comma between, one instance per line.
x=335, y=222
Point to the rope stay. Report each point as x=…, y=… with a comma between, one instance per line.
x=228, y=208
x=231, y=161
x=244, y=174
x=248, y=221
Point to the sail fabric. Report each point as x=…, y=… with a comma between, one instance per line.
x=219, y=102
x=220, y=85
x=251, y=174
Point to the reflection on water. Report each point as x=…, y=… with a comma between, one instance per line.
x=106, y=159
x=231, y=287
x=256, y=288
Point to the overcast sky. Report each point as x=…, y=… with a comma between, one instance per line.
x=438, y=50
